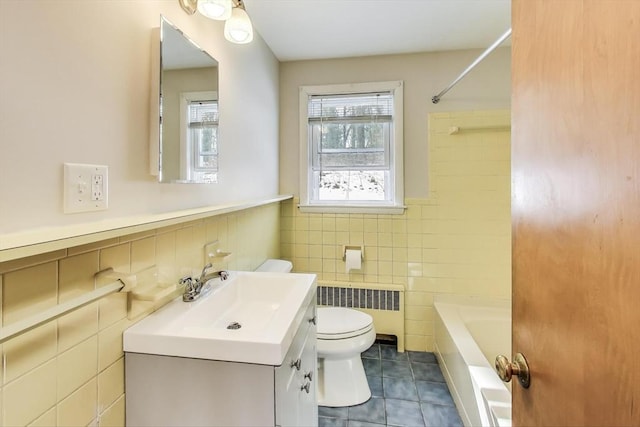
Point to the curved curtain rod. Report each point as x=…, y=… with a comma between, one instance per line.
x=435, y=99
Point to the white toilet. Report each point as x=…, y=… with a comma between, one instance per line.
x=342, y=335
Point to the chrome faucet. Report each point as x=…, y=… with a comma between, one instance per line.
x=194, y=288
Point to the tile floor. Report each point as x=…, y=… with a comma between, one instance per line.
x=407, y=389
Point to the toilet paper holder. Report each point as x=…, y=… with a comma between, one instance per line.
x=352, y=247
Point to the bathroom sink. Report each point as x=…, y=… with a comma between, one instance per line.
x=251, y=317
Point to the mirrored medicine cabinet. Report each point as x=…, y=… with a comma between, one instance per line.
x=185, y=121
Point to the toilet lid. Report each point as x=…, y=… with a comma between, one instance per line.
x=339, y=322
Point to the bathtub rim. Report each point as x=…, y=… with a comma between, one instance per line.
x=480, y=372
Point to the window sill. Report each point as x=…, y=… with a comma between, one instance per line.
x=364, y=209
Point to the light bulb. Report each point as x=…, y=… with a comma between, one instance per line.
x=215, y=9
x=238, y=28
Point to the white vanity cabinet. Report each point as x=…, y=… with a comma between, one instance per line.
x=180, y=391
x=295, y=380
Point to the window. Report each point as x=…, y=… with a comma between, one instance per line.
x=199, y=136
x=351, y=148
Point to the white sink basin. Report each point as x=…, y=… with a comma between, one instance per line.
x=269, y=307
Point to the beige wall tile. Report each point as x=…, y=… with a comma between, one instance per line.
x=418, y=313
x=143, y=254
x=47, y=419
x=137, y=236
x=223, y=230
x=92, y=246
x=29, y=350
x=80, y=407
x=112, y=308
x=328, y=222
x=287, y=208
x=166, y=256
x=315, y=222
x=31, y=261
x=116, y=257
x=76, y=366
x=29, y=291
x=417, y=327
x=416, y=343
x=77, y=326
x=114, y=416
x=30, y=396
x=211, y=229
x=76, y=276
x=110, y=384
x=188, y=256
x=301, y=223
x=110, y=344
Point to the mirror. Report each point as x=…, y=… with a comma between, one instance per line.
x=188, y=110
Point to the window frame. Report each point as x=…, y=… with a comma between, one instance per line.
x=396, y=152
x=188, y=164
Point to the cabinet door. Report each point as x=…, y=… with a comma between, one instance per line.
x=307, y=398
x=296, y=402
x=287, y=395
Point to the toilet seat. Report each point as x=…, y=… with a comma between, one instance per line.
x=336, y=323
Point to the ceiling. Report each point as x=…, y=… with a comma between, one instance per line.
x=317, y=29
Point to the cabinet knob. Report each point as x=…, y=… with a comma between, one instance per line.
x=306, y=387
x=296, y=364
x=313, y=320
x=309, y=376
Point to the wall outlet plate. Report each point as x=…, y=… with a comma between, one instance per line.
x=86, y=188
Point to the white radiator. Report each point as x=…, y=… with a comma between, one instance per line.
x=384, y=302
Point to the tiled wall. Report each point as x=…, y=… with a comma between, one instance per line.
x=70, y=372
x=456, y=241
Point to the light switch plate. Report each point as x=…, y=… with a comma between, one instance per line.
x=85, y=187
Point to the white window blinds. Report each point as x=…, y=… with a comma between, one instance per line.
x=350, y=131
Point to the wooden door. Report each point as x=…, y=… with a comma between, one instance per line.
x=576, y=210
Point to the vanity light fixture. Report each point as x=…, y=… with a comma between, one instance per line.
x=237, y=27
x=215, y=9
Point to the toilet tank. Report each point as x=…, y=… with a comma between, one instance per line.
x=276, y=266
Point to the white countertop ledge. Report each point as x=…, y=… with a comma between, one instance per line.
x=47, y=239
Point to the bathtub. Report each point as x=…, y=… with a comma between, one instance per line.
x=469, y=334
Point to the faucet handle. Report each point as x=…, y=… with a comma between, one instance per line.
x=204, y=271
x=187, y=281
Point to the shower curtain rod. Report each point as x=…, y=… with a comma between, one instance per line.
x=484, y=54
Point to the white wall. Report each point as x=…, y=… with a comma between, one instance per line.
x=487, y=87
x=74, y=87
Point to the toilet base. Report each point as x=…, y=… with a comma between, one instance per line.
x=342, y=382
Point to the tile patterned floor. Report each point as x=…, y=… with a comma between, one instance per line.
x=407, y=389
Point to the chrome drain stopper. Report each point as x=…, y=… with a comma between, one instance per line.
x=234, y=325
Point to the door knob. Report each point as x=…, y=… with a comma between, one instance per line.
x=518, y=367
